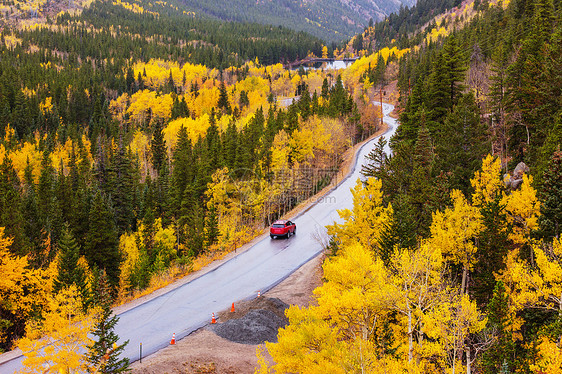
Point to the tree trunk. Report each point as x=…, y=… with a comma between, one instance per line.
x=464, y=278
x=454, y=360
x=410, y=336
x=468, y=369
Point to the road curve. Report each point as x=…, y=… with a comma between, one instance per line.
x=268, y=262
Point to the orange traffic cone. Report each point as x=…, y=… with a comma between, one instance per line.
x=259, y=293
x=213, y=320
x=232, y=308
x=173, y=339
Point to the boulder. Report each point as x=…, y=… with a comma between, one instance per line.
x=515, y=180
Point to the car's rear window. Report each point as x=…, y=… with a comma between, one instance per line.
x=278, y=225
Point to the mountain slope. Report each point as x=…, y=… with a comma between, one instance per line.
x=332, y=20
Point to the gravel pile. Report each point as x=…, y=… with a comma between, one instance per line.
x=257, y=322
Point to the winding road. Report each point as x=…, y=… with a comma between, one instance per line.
x=189, y=307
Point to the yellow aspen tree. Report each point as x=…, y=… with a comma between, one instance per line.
x=60, y=339
x=418, y=285
x=538, y=286
x=359, y=357
x=365, y=223
x=128, y=246
x=141, y=103
x=454, y=230
x=487, y=183
x=353, y=296
x=523, y=210
x=280, y=152
x=301, y=143
x=307, y=345
x=22, y=289
x=449, y=324
x=13, y=270
x=549, y=357
x=324, y=52
x=337, y=335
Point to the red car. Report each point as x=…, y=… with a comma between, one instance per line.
x=282, y=228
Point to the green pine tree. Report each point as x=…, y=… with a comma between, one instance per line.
x=550, y=220
x=502, y=352
x=69, y=271
x=211, y=227
x=182, y=169
x=158, y=147
x=377, y=159
x=223, y=103
x=102, y=242
x=104, y=353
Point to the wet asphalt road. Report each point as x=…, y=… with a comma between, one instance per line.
x=189, y=307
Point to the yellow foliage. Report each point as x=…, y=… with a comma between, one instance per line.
x=22, y=289
x=28, y=92
x=208, y=98
x=450, y=322
x=539, y=286
x=487, y=183
x=133, y=7
x=140, y=147
x=366, y=222
x=352, y=74
x=418, y=285
x=195, y=128
x=453, y=232
x=253, y=83
x=158, y=72
x=60, y=339
x=302, y=145
x=307, y=345
x=354, y=295
x=9, y=134
x=435, y=34
x=118, y=107
x=46, y=106
x=282, y=86
x=549, y=358
x=523, y=209
x=147, y=104
x=164, y=239
x=20, y=157
x=262, y=367
x=280, y=152
x=130, y=252
x=11, y=41
x=62, y=153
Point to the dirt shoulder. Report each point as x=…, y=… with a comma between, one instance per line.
x=205, y=352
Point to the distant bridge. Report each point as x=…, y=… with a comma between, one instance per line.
x=312, y=60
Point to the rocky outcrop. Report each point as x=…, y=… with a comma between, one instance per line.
x=513, y=181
